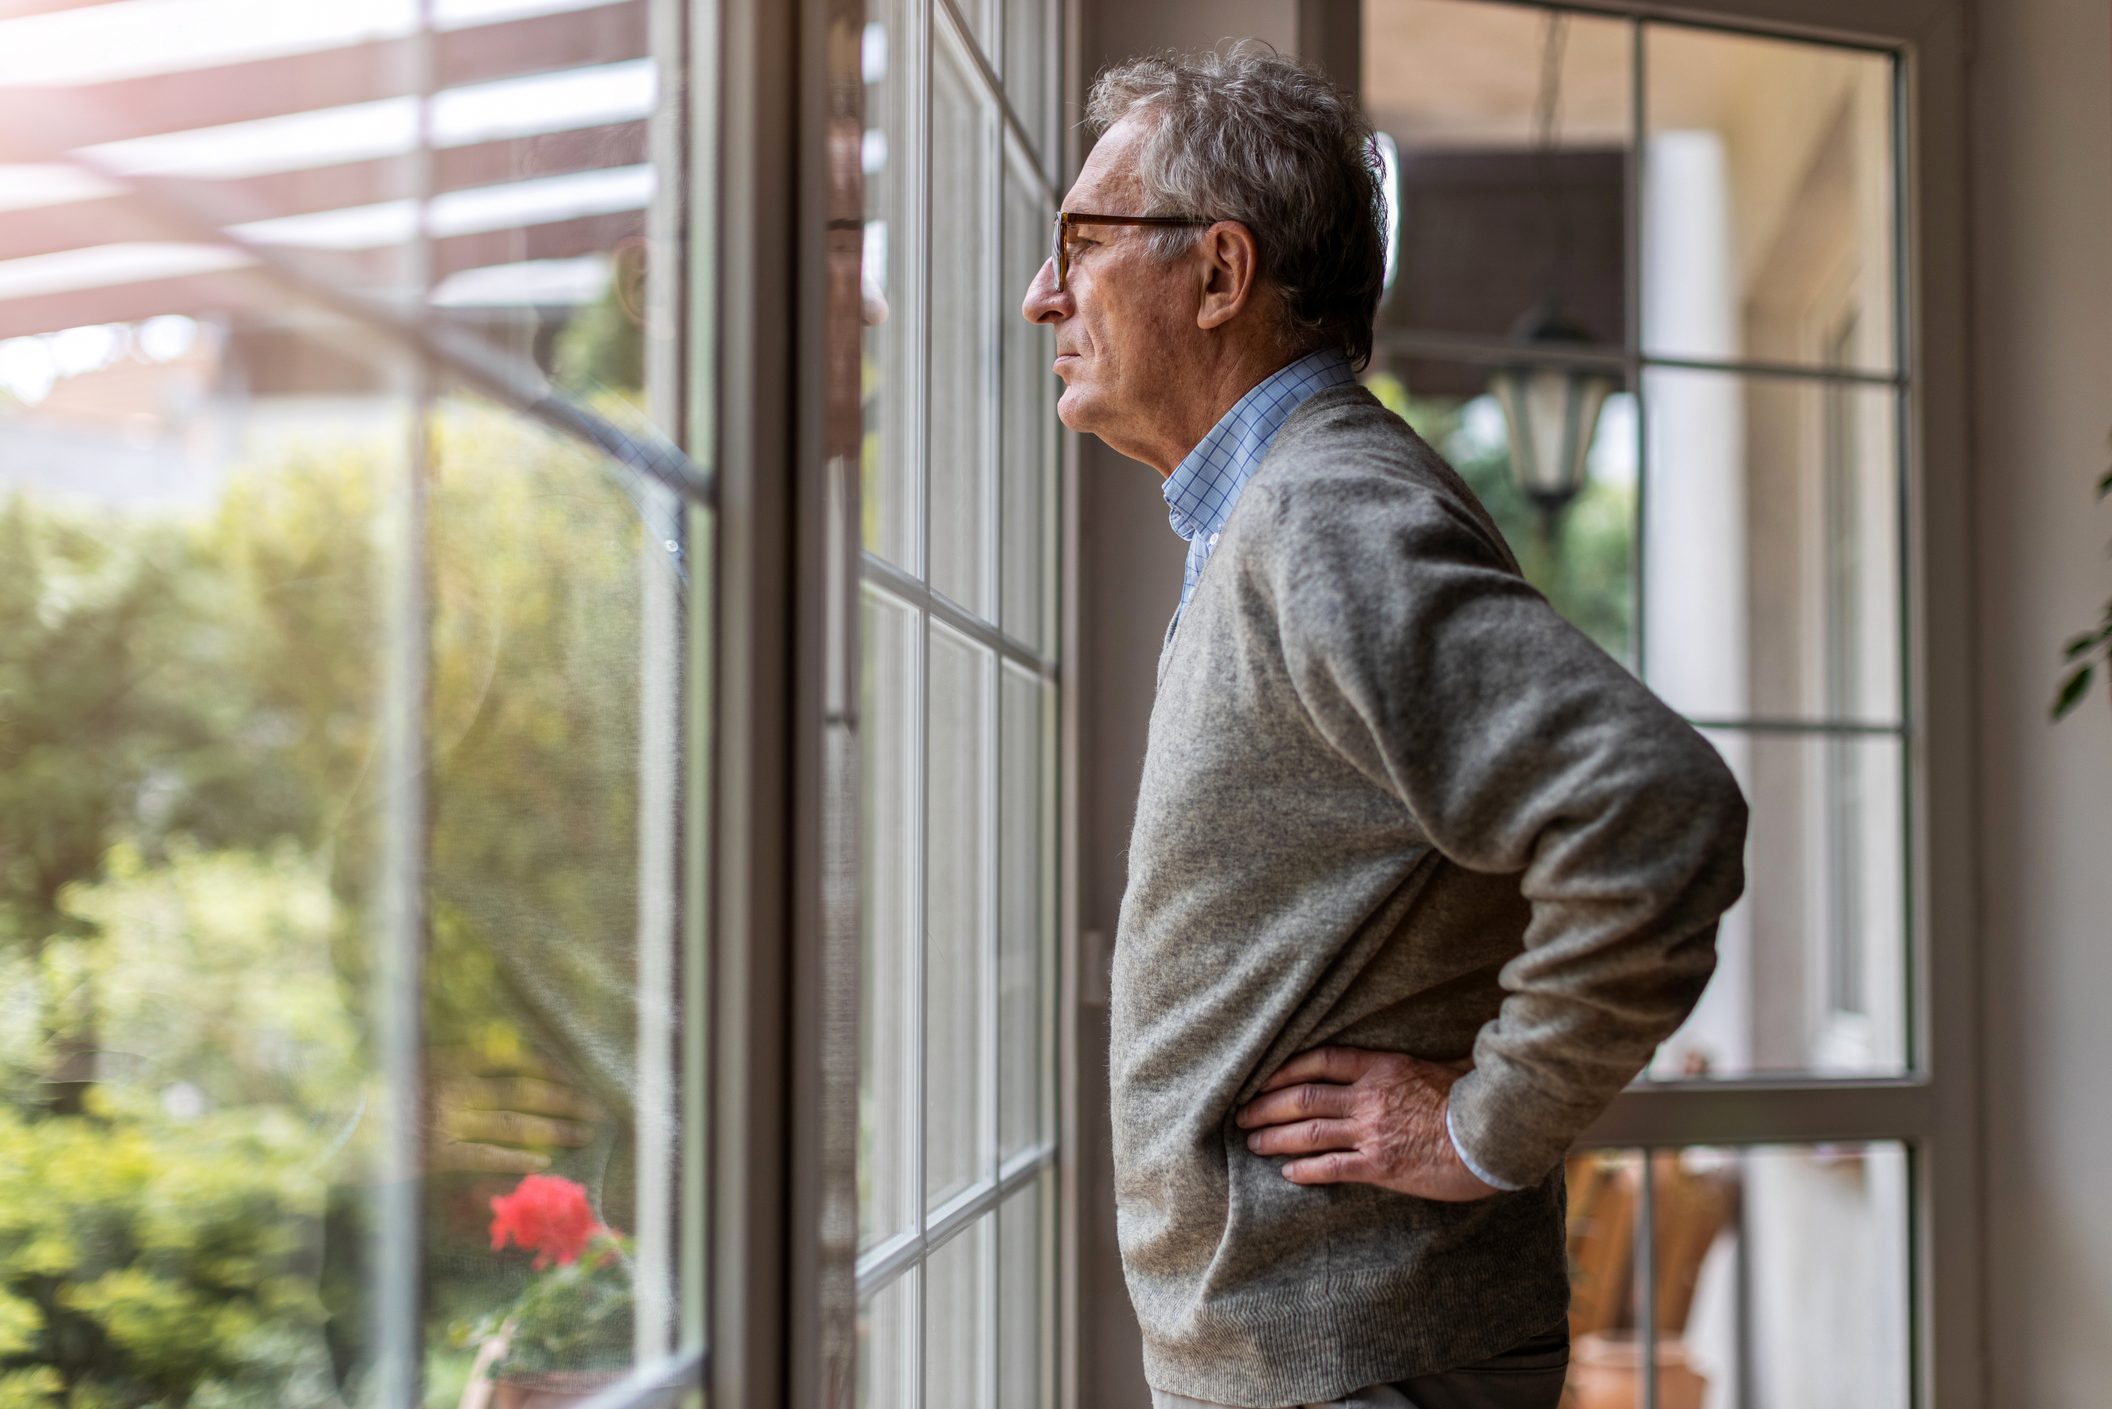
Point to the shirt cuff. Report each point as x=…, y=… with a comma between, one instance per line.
x=1468, y=1160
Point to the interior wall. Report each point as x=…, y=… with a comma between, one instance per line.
x=1129, y=564
x=2041, y=144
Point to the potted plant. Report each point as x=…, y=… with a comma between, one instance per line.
x=568, y=1334
x=2083, y=652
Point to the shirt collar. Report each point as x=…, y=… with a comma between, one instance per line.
x=1202, y=489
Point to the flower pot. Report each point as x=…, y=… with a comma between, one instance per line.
x=1606, y=1372
x=550, y=1389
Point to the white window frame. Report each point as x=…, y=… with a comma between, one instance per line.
x=1935, y=1108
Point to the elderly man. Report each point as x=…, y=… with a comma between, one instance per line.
x=1419, y=875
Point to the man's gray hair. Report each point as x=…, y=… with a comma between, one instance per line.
x=1248, y=135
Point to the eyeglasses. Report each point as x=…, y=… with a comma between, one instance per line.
x=1060, y=244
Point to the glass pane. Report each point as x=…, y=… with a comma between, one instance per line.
x=978, y=16
x=888, y=756
x=887, y=1346
x=889, y=473
x=1767, y=198
x=1604, y=1194
x=1493, y=217
x=189, y=651
x=1811, y=962
x=963, y=332
x=1030, y=67
x=550, y=608
x=358, y=696
x=1025, y=1308
x=1780, y=1278
x=1028, y=464
x=957, y=896
x=1771, y=564
x=956, y=1346
x=1585, y=561
x=1045, y=1093
x=1022, y=1040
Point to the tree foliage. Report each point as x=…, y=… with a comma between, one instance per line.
x=191, y=825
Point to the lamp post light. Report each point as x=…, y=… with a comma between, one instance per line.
x=1551, y=410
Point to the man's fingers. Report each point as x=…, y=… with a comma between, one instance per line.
x=513, y=1128
x=470, y=1157
x=1303, y=1138
x=1343, y=1064
x=529, y=1095
x=1290, y=1103
x=1339, y=1167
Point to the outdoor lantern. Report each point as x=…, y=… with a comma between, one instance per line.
x=1551, y=410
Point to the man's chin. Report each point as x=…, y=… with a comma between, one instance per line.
x=1075, y=409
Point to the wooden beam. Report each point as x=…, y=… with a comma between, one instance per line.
x=122, y=109
x=311, y=190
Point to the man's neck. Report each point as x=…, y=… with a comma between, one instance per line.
x=1225, y=385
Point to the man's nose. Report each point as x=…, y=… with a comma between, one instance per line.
x=1045, y=303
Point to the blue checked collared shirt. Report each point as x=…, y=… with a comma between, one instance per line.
x=1203, y=488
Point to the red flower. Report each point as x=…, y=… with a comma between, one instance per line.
x=545, y=1214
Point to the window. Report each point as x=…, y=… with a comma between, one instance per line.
x=956, y=1140
x=1721, y=213
x=343, y=672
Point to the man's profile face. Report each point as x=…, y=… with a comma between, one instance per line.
x=1121, y=322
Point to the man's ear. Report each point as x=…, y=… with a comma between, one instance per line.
x=1231, y=262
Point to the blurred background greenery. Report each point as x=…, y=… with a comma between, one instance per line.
x=189, y=814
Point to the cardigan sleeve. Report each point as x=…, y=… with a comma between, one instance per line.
x=1515, y=745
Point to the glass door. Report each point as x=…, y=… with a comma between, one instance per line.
x=344, y=653
x=1713, y=221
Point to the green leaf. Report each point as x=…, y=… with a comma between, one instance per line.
x=2085, y=642
x=2072, y=691
x=2104, y=486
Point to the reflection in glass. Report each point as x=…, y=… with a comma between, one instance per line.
x=1027, y=467
x=188, y=650
x=1772, y=554
x=1833, y=903
x=1023, y=1041
x=890, y=477
x=887, y=1341
x=963, y=357
x=1767, y=197
x=1031, y=49
x=1587, y=569
x=961, y=486
x=1025, y=1260
x=887, y=909
x=956, y=1293
x=348, y=702
x=957, y=892
x=980, y=18
x=1489, y=222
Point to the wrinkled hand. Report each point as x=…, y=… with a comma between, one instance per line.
x=499, y=1117
x=1354, y=1116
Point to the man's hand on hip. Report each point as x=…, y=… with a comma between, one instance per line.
x=1355, y=1116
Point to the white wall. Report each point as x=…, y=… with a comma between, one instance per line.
x=2041, y=134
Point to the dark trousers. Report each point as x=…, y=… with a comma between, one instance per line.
x=1527, y=1376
